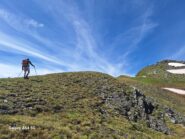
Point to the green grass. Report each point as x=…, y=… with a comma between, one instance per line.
x=68, y=105
x=157, y=75
x=154, y=89
x=153, y=78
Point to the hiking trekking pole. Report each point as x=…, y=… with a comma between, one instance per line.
x=35, y=71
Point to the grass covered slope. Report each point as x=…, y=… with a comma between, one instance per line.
x=152, y=79
x=80, y=105
x=158, y=74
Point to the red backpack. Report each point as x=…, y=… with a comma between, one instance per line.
x=25, y=63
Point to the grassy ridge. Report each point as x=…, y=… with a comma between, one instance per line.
x=152, y=79
x=68, y=105
x=154, y=90
x=157, y=75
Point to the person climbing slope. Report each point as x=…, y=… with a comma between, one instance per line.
x=26, y=67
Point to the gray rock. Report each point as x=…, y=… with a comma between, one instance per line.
x=158, y=124
x=175, y=117
x=135, y=106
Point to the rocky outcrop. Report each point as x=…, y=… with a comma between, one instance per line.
x=175, y=117
x=136, y=106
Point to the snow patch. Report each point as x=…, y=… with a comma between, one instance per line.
x=176, y=64
x=178, y=91
x=177, y=71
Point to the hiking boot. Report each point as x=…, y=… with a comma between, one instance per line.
x=26, y=77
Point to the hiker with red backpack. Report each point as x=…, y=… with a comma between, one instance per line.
x=26, y=67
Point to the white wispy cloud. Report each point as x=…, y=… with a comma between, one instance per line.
x=148, y=25
x=87, y=44
x=85, y=53
x=84, y=56
x=33, y=23
x=180, y=54
x=134, y=35
x=26, y=47
x=19, y=22
x=26, y=25
x=29, y=26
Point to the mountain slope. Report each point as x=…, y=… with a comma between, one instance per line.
x=153, y=79
x=82, y=105
x=162, y=74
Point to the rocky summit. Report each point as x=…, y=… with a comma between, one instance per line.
x=85, y=105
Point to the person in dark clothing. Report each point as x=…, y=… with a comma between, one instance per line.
x=26, y=67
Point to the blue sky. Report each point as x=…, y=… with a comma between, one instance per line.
x=111, y=36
